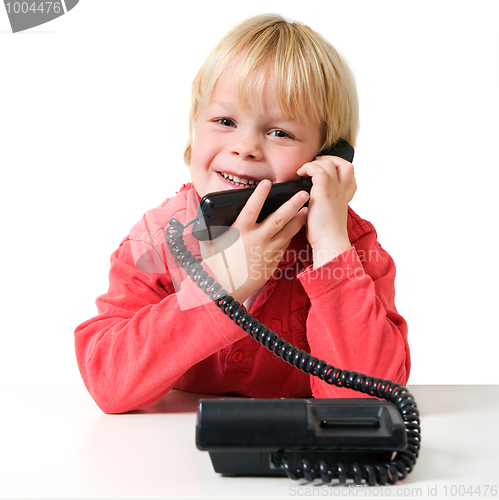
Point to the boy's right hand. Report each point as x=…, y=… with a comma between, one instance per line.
x=264, y=243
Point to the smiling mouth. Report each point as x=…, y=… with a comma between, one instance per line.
x=239, y=181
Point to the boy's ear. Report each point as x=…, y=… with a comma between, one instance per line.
x=188, y=154
x=340, y=148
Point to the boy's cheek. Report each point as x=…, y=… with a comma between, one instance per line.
x=205, y=143
x=290, y=163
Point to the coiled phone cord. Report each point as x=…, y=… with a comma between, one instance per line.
x=377, y=473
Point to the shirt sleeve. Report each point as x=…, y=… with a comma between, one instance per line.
x=353, y=323
x=142, y=340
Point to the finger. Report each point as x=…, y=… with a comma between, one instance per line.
x=330, y=162
x=345, y=172
x=277, y=221
x=336, y=168
x=249, y=214
x=284, y=236
x=318, y=168
x=351, y=189
x=321, y=178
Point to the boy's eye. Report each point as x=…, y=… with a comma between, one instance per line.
x=226, y=122
x=280, y=133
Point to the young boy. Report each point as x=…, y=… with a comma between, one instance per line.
x=268, y=99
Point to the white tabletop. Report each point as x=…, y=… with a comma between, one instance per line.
x=56, y=443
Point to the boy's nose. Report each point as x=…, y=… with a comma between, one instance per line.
x=247, y=147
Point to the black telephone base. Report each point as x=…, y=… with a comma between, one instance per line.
x=254, y=436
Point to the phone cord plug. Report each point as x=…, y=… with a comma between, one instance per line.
x=377, y=473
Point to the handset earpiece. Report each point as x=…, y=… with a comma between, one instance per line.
x=340, y=148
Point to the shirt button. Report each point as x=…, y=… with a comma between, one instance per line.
x=237, y=356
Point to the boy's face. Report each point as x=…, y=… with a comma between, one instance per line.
x=229, y=142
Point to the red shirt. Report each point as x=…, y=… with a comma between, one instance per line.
x=155, y=330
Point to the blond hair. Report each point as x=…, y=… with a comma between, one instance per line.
x=310, y=79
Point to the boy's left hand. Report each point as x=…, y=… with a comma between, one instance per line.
x=332, y=190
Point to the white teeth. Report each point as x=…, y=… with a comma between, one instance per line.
x=238, y=181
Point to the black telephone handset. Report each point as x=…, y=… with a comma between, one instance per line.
x=218, y=211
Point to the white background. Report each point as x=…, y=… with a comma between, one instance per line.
x=93, y=122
